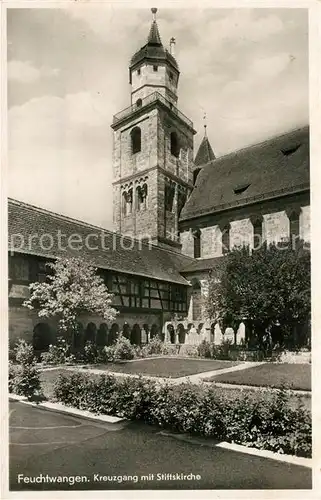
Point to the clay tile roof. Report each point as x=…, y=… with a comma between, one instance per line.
x=205, y=153
x=201, y=265
x=276, y=167
x=153, y=262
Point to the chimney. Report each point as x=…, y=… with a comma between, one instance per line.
x=172, y=46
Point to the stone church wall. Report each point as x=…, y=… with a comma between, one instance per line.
x=241, y=233
x=211, y=242
x=275, y=227
x=187, y=242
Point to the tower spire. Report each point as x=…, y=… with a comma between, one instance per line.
x=205, y=124
x=154, y=10
x=154, y=36
x=205, y=152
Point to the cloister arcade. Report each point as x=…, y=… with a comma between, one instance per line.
x=173, y=332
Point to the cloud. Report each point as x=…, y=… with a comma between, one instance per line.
x=60, y=156
x=25, y=72
x=270, y=66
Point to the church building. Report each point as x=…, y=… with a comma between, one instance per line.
x=175, y=214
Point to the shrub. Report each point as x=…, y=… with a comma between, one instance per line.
x=133, y=398
x=92, y=353
x=228, y=351
x=24, y=378
x=24, y=353
x=155, y=346
x=58, y=354
x=170, y=349
x=12, y=355
x=204, y=349
x=190, y=351
x=108, y=353
x=267, y=421
x=12, y=375
x=177, y=407
x=123, y=349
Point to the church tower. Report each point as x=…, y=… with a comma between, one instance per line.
x=153, y=148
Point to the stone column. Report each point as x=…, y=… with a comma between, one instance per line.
x=294, y=220
x=257, y=223
x=225, y=229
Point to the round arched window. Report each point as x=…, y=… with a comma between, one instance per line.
x=174, y=144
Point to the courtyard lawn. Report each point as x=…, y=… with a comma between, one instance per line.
x=292, y=376
x=167, y=367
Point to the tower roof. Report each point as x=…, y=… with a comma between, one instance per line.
x=154, y=36
x=154, y=49
x=205, y=153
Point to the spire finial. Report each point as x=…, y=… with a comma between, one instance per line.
x=154, y=10
x=172, y=46
x=205, y=124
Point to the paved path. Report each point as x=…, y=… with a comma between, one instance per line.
x=199, y=377
x=130, y=456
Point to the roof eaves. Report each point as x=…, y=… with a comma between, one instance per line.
x=247, y=201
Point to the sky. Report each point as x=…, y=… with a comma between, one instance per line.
x=68, y=75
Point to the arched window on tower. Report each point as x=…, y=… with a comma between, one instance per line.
x=136, y=140
x=197, y=243
x=141, y=197
x=139, y=103
x=169, y=196
x=181, y=199
x=123, y=203
x=127, y=202
x=174, y=144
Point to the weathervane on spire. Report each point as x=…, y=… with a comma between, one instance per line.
x=154, y=10
x=205, y=124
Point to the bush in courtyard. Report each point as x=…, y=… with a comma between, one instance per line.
x=228, y=351
x=12, y=354
x=92, y=353
x=123, y=349
x=190, y=351
x=24, y=378
x=170, y=349
x=204, y=349
x=177, y=407
x=154, y=347
x=12, y=370
x=108, y=353
x=58, y=354
x=133, y=398
x=267, y=421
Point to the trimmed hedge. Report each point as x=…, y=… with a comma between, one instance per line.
x=266, y=421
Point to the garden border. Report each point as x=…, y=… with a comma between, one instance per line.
x=63, y=409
